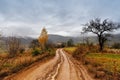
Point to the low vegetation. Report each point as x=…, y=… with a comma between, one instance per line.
x=17, y=57
x=70, y=49
x=13, y=65
x=116, y=46
x=102, y=65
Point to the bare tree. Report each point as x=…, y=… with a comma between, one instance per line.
x=50, y=44
x=101, y=29
x=34, y=44
x=70, y=42
x=13, y=45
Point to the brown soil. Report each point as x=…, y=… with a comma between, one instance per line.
x=61, y=67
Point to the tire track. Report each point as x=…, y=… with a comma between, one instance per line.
x=73, y=70
x=39, y=71
x=80, y=69
x=54, y=73
x=61, y=67
x=64, y=71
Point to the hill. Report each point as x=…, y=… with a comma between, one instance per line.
x=57, y=38
x=93, y=39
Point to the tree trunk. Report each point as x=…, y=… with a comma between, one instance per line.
x=101, y=46
x=101, y=43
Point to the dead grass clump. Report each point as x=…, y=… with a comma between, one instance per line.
x=93, y=48
x=91, y=69
x=113, y=51
x=80, y=53
x=100, y=74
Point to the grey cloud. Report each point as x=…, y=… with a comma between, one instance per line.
x=58, y=16
x=20, y=31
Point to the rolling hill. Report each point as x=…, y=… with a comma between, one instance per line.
x=58, y=38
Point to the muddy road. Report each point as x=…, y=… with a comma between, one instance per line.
x=61, y=67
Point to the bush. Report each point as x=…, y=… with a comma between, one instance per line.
x=21, y=50
x=36, y=52
x=116, y=45
x=34, y=44
x=52, y=52
x=80, y=52
x=13, y=45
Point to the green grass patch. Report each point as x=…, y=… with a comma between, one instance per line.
x=100, y=55
x=109, y=62
x=70, y=49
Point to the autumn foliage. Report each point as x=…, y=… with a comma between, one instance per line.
x=43, y=38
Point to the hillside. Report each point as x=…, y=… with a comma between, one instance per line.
x=58, y=38
x=93, y=39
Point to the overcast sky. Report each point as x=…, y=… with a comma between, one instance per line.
x=63, y=17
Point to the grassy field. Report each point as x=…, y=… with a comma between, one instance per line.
x=108, y=64
x=100, y=55
x=104, y=65
x=107, y=61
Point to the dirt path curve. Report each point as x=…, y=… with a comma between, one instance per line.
x=61, y=67
x=67, y=70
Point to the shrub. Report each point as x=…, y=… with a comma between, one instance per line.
x=13, y=45
x=80, y=52
x=116, y=45
x=52, y=52
x=34, y=44
x=21, y=50
x=36, y=52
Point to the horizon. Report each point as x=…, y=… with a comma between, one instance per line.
x=85, y=35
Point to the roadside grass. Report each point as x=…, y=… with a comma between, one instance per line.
x=9, y=66
x=104, y=62
x=70, y=49
x=104, y=55
x=103, y=66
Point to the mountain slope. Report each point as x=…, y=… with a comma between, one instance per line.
x=58, y=38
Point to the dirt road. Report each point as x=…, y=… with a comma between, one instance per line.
x=61, y=67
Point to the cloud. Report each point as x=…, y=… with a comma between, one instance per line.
x=63, y=17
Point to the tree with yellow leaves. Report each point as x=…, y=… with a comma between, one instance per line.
x=43, y=38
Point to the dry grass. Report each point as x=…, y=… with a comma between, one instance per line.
x=13, y=65
x=70, y=49
x=104, y=65
x=113, y=51
x=107, y=63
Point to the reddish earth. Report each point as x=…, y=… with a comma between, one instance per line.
x=61, y=67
